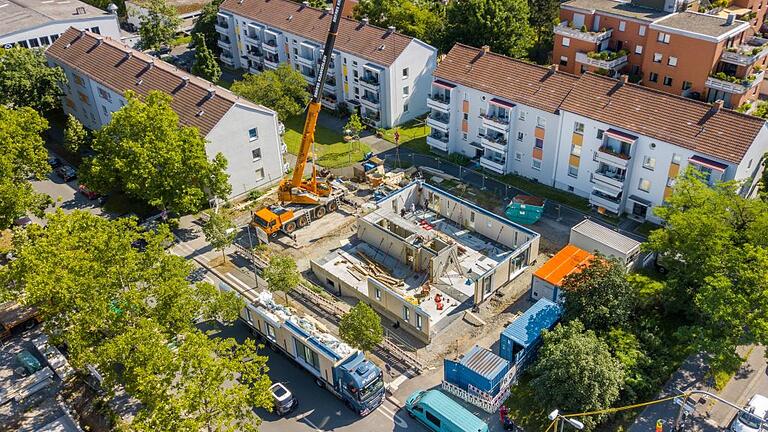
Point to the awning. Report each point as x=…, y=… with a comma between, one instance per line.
x=709, y=163
x=607, y=191
x=443, y=84
x=500, y=102
x=639, y=200
x=621, y=136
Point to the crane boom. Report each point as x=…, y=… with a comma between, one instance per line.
x=308, y=136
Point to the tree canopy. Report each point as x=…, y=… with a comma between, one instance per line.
x=205, y=24
x=27, y=80
x=159, y=25
x=501, y=24
x=283, y=90
x=575, y=372
x=599, y=294
x=361, y=327
x=146, y=153
x=417, y=18
x=281, y=274
x=544, y=15
x=22, y=156
x=219, y=231
x=205, y=65
x=75, y=135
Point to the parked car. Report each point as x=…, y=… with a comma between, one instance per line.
x=22, y=221
x=283, y=399
x=66, y=173
x=91, y=195
x=755, y=419
x=54, y=162
x=29, y=362
x=197, y=275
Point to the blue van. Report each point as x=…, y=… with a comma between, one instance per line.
x=440, y=413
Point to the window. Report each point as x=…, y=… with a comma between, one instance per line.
x=24, y=44
x=667, y=80
x=566, y=42
x=432, y=419
x=44, y=41
x=357, y=91
x=270, y=331
x=645, y=185
x=33, y=43
x=518, y=156
x=641, y=31
x=520, y=136
x=578, y=127
x=306, y=354
x=541, y=122
x=638, y=49
x=259, y=173
x=418, y=322
x=405, y=73
x=105, y=111
x=466, y=116
x=672, y=61
x=563, y=61
x=653, y=77
x=573, y=171
x=406, y=91
x=464, y=136
x=95, y=30
x=253, y=134
x=657, y=57
x=539, y=143
x=622, y=25
x=576, y=150
x=676, y=159
x=536, y=164
x=104, y=94
x=522, y=115
x=354, y=63
x=649, y=163
x=295, y=50
x=405, y=108
x=355, y=74
x=663, y=37
x=406, y=313
x=687, y=85
x=256, y=154
x=378, y=294
x=54, y=37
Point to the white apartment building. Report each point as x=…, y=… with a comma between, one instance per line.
x=380, y=73
x=38, y=23
x=618, y=144
x=100, y=70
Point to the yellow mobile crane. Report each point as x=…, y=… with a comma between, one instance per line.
x=303, y=200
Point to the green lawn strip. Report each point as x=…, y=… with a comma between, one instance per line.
x=414, y=130
x=523, y=408
x=332, y=151
x=545, y=191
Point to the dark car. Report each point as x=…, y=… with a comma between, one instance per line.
x=66, y=173
x=54, y=162
x=91, y=195
x=197, y=275
x=283, y=399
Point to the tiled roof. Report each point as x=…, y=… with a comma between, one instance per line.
x=690, y=124
x=369, y=42
x=536, y=86
x=106, y=61
x=699, y=23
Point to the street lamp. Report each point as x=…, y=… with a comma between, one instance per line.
x=573, y=422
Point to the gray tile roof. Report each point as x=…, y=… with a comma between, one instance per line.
x=18, y=15
x=708, y=25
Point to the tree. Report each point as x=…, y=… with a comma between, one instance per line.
x=354, y=125
x=544, y=15
x=500, y=24
x=283, y=90
x=361, y=327
x=281, y=274
x=219, y=232
x=205, y=65
x=22, y=156
x=575, y=372
x=599, y=295
x=75, y=135
x=417, y=18
x=27, y=80
x=146, y=153
x=159, y=25
x=205, y=24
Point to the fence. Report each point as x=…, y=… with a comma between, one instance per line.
x=480, y=398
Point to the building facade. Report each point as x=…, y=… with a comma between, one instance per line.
x=618, y=144
x=186, y=10
x=377, y=72
x=36, y=24
x=100, y=71
x=703, y=56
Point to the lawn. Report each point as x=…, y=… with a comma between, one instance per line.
x=332, y=151
x=413, y=135
x=545, y=191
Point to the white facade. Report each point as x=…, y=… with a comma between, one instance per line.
x=247, y=135
x=385, y=95
x=45, y=34
x=135, y=12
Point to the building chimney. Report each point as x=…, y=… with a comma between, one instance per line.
x=391, y=29
x=554, y=67
x=624, y=78
x=717, y=105
x=304, y=4
x=365, y=21
x=184, y=81
x=112, y=9
x=486, y=49
x=731, y=18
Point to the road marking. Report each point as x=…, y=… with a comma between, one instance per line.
x=237, y=281
x=392, y=416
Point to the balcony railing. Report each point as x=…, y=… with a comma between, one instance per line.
x=747, y=54
x=600, y=200
x=438, y=101
x=494, y=165
x=369, y=81
x=496, y=142
x=370, y=100
x=271, y=62
x=589, y=36
x=439, y=142
x=495, y=121
x=603, y=59
x=221, y=27
x=330, y=82
x=270, y=45
x=610, y=179
x=223, y=43
x=733, y=85
x=608, y=155
x=371, y=119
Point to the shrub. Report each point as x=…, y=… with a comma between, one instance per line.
x=458, y=159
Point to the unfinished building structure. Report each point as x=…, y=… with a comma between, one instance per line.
x=423, y=255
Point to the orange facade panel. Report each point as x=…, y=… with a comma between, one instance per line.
x=577, y=139
x=538, y=153
x=465, y=106
x=464, y=126
x=674, y=170
x=667, y=192
x=574, y=160
x=539, y=133
x=569, y=260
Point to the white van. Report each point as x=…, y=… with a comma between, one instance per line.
x=755, y=421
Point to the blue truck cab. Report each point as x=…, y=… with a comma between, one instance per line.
x=440, y=413
x=360, y=383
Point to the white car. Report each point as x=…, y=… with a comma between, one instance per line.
x=284, y=402
x=755, y=420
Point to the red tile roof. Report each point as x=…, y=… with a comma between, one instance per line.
x=536, y=86
x=369, y=42
x=687, y=123
x=107, y=62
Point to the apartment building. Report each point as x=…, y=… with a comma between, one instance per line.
x=497, y=109
x=186, y=10
x=38, y=23
x=377, y=72
x=703, y=56
x=620, y=145
x=100, y=71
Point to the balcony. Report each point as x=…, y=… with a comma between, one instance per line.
x=438, y=120
x=497, y=122
x=438, y=141
x=305, y=59
x=330, y=83
x=329, y=101
x=226, y=58
x=495, y=165
x=221, y=27
x=255, y=54
x=370, y=82
x=370, y=100
x=733, y=85
x=372, y=119
x=610, y=179
x=748, y=54
x=253, y=38
x=609, y=60
x=439, y=102
x=608, y=154
x=594, y=37
x=494, y=142
x=224, y=43
x=270, y=45
x=600, y=199
x=271, y=62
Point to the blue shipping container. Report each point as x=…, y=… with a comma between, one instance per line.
x=479, y=367
x=522, y=336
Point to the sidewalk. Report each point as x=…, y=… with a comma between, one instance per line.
x=748, y=380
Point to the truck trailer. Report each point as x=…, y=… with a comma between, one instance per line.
x=336, y=366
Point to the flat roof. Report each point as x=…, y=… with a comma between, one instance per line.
x=527, y=328
x=699, y=23
x=626, y=9
x=484, y=362
x=18, y=15
x=458, y=415
x=181, y=6
x=566, y=261
x=606, y=236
